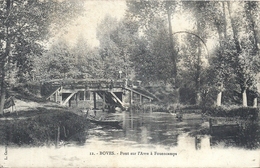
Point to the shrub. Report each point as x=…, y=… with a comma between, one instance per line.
x=241, y=112
x=43, y=129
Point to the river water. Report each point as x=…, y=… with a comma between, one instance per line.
x=144, y=140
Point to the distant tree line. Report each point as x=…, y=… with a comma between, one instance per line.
x=142, y=46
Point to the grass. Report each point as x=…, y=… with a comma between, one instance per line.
x=40, y=122
x=240, y=112
x=43, y=127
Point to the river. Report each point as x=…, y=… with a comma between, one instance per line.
x=145, y=140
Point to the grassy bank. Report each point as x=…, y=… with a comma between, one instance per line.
x=43, y=127
x=244, y=113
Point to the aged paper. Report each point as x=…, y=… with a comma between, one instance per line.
x=145, y=139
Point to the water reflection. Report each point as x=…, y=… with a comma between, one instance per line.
x=146, y=132
x=246, y=136
x=150, y=128
x=163, y=129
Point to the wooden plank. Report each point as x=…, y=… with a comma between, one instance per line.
x=68, y=98
x=131, y=97
x=118, y=100
x=95, y=101
x=104, y=100
x=136, y=92
x=53, y=93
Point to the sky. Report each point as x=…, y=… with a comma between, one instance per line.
x=86, y=24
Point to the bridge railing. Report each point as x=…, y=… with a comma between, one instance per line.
x=87, y=83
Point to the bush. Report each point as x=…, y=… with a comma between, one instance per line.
x=241, y=112
x=43, y=129
x=28, y=92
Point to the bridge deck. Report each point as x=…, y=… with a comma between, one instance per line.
x=98, y=85
x=107, y=89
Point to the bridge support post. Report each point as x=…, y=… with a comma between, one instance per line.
x=61, y=99
x=141, y=101
x=56, y=96
x=77, y=98
x=104, y=100
x=150, y=106
x=131, y=98
x=95, y=101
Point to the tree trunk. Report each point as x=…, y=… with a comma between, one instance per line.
x=198, y=96
x=173, y=53
x=5, y=57
x=58, y=136
x=219, y=35
x=3, y=87
x=255, y=102
x=221, y=39
x=3, y=93
x=235, y=31
x=177, y=90
x=238, y=67
x=219, y=97
x=249, y=8
x=244, y=96
x=224, y=20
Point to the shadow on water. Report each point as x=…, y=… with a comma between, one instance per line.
x=147, y=129
x=137, y=129
x=164, y=129
x=246, y=135
x=44, y=130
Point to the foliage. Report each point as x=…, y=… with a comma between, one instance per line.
x=156, y=59
x=28, y=91
x=64, y=61
x=43, y=129
x=57, y=62
x=117, y=44
x=240, y=112
x=142, y=46
x=155, y=62
x=25, y=26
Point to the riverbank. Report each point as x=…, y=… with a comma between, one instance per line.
x=32, y=123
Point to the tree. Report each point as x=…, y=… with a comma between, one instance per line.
x=233, y=54
x=201, y=29
x=83, y=55
x=152, y=55
x=246, y=60
x=220, y=62
x=109, y=51
x=117, y=41
x=60, y=60
x=251, y=9
x=148, y=14
x=25, y=24
x=234, y=61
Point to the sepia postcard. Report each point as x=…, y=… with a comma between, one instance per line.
x=138, y=83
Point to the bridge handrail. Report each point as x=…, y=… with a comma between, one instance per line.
x=88, y=82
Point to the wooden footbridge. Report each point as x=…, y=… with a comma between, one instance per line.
x=95, y=93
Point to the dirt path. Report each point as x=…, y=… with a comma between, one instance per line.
x=24, y=109
x=26, y=105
